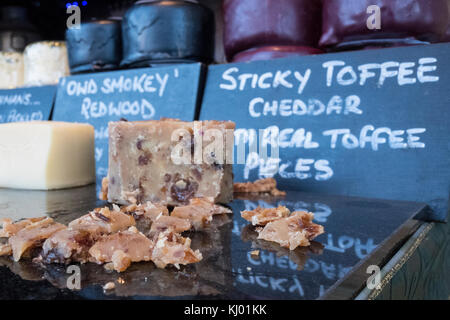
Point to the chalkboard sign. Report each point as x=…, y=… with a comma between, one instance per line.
x=370, y=123
x=137, y=94
x=26, y=104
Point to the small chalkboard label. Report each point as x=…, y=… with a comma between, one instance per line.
x=26, y=104
x=370, y=123
x=137, y=94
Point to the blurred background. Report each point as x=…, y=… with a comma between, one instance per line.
x=47, y=18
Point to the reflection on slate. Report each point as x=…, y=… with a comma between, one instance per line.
x=354, y=227
x=63, y=205
x=298, y=256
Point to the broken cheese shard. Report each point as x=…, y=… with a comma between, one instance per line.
x=33, y=236
x=199, y=212
x=5, y=250
x=145, y=214
x=170, y=223
x=68, y=245
x=172, y=248
x=73, y=243
x=9, y=228
x=262, y=186
x=262, y=216
x=170, y=161
x=103, y=220
x=121, y=249
x=293, y=231
x=46, y=155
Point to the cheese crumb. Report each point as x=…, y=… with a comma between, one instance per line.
x=109, y=286
x=254, y=253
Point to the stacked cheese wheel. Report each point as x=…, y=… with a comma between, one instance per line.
x=405, y=22
x=42, y=63
x=45, y=62
x=265, y=29
x=11, y=66
x=168, y=31
x=94, y=46
x=16, y=31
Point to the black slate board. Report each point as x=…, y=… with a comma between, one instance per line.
x=136, y=94
x=26, y=104
x=412, y=162
x=432, y=261
x=356, y=231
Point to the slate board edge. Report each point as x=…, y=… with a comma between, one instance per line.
x=403, y=231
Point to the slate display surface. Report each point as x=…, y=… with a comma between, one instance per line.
x=26, y=104
x=356, y=229
x=137, y=94
x=375, y=125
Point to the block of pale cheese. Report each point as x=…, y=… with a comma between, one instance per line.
x=46, y=155
x=170, y=161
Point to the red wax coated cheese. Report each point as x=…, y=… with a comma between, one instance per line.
x=347, y=20
x=446, y=37
x=256, y=23
x=274, y=52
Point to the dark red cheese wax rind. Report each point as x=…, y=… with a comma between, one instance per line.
x=256, y=23
x=274, y=52
x=346, y=20
x=446, y=37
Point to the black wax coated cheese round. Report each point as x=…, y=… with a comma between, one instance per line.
x=274, y=52
x=400, y=21
x=255, y=23
x=95, y=46
x=167, y=32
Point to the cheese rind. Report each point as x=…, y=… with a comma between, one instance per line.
x=45, y=155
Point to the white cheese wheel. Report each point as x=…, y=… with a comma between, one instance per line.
x=11, y=70
x=45, y=62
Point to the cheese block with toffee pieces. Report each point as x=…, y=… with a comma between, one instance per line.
x=170, y=161
x=46, y=155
